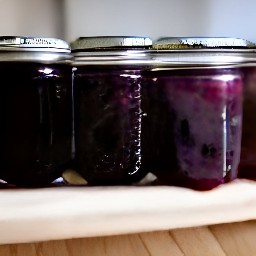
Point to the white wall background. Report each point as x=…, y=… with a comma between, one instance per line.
x=156, y=18
x=31, y=18
x=69, y=19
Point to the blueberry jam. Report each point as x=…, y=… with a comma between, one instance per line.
x=247, y=166
x=36, y=127
x=192, y=131
x=107, y=107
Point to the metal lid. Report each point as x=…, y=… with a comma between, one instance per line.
x=33, y=49
x=202, y=43
x=110, y=42
x=111, y=50
x=206, y=52
x=14, y=43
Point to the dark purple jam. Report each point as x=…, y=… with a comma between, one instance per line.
x=36, y=122
x=247, y=166
x=192, y=129
x=107, y=107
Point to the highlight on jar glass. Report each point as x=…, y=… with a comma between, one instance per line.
x=36, y=110
x=194, y=110
x=107, y=107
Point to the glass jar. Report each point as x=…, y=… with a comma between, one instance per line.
x=36, y=110
x=107, y=107
x=193, y=104
x=247, y=166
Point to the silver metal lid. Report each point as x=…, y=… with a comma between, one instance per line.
x=34, y=49
x=110, y=42
x=19, y=43
x=205, y=52
x=111, y=50
x=202, y=43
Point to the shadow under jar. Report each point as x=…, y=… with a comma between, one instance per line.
x=107, y=108
x=35, y=110
x=196, y=89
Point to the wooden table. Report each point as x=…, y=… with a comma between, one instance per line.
x=223, y=239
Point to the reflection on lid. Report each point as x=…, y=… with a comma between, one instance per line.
x=16, y=42
x=106, y=42
x=170, y=43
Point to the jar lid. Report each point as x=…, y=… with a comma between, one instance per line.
x=34, y=49
x=169, y=43
x=20, y=43
x=110, y=42
x=111, y=50
x=191, y=52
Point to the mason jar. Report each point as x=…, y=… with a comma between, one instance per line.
x=36, y=110
x=107, y=107
x=194, y=91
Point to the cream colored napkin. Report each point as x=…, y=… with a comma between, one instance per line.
x=59, y=213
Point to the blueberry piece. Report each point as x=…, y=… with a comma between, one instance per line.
x=184, y=129
x=205, y=150
x=213, y=151
x=208, y=150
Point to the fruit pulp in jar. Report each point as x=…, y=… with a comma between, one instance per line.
x=247, y=166
x=36, y=129
x=192, y=130
x=107, y=115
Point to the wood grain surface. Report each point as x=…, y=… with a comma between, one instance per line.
x=235, y=239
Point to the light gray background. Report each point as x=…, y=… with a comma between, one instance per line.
x=69, y=19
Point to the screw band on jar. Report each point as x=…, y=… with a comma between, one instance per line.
x=203, y=52
x=110, y=42
x=34, y=49
x=114, y=50
x=202, y=43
